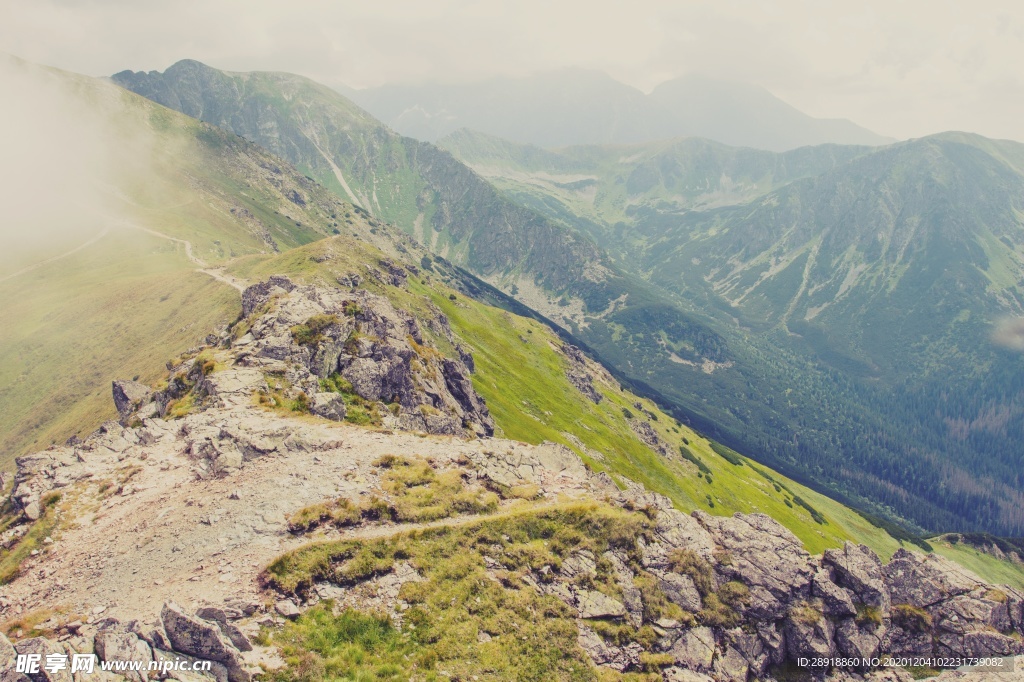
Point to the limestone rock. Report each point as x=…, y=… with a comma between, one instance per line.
x=836, y=601
x=8, y=656
x=286, y=608
x=118, y=645
x=594, y=604
x=129, y=396
x=44, y=647
x=923, y=581
x=857, y=641
x=765, y=556
x=227, y=628
x=601, y=653
x=203, y=640
x=217, y=671
x=329, y=406
x=859, y=570
x=680, y=590
x=695, y=649
x=808, y=632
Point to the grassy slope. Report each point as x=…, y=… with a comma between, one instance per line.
x=522, y=378
x=990, y=568
x=115, y=310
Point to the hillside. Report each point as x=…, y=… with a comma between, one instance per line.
x=582, y=107
x=396, y=179
x=861, y=284
x=136, y=251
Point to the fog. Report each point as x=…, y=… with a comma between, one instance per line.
x=902, y=68
x=1009, y=333
x=63, y=153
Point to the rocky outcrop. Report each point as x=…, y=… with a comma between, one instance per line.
x=129, y=396
x=754, y=599
x=578, y=375
x=322, y=350
x=179, y=638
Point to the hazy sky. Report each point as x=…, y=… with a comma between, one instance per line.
x=902, y=68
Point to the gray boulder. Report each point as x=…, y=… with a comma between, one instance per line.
x=43, y=647
x=695, y=649
x=217, y=671
x=603, y=654
x=858, y=641
x=679, y=589
x=835, y=600
x=329, y=406
x=859, y=570
x=594, y=604
x=129, y=396
x=765, y=556
x=8, y=656
x=808, y=632
x=201, y=639
x=227, y=628
x=118, y=645
x=923, y=581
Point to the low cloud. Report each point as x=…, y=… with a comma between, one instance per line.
x=904, y=69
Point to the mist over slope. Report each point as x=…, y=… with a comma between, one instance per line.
x=121, y=213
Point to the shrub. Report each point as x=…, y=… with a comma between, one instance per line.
x=728, y=454
x=694, y=459
x=687, y=562
x=310, y=333
x=335, y=383
x=717, y=614
x=300, y=403
x=911, y=618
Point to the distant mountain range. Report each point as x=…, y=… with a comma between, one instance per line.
x=855, y=289
x=578, y=106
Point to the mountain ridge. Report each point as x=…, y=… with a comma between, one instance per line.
x=581, y=106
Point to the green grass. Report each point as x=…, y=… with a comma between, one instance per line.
x=118, y=309
x=349, y=646
x=12, y=559
x=532, y=636
x=986, y=566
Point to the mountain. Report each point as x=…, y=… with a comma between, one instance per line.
x=415, y=185
x=744, y=115
x=579, y=106
x=643, y=294
x=360, y=460
x=861, y=284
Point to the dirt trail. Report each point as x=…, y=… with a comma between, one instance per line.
x=217, y=273
x=171, y=535
x=202, y=266
x=36, y=266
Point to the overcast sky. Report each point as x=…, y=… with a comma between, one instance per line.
x=903, y=68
